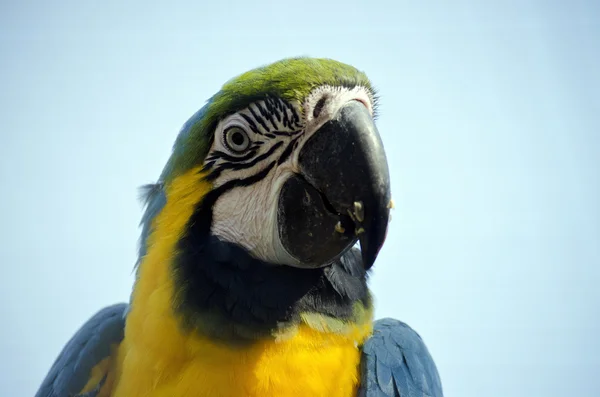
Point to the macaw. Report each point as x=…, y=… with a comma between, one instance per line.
x=249, y=281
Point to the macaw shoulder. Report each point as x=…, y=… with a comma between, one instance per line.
x=396, y=363
x=82, y=367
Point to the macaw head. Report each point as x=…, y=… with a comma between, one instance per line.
x=290, y=165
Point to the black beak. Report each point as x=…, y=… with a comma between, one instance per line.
x=342, y=194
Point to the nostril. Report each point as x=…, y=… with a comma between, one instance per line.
x=319, y=106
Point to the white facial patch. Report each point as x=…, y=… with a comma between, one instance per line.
x=324, y=102
x=276, y=131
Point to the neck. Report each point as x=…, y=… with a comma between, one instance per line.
x=225, y=293
x=217, y=290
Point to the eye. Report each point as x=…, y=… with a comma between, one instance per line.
x=236, y=139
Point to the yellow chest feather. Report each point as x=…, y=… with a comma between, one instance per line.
x=308, y=364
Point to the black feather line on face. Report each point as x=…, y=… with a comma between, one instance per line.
x=225, y=293
x=251, y=124
x=242, y=166
x=266, y=114
x=257, y=117
x=288, y=150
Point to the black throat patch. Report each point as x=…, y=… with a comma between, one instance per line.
x=221, y=291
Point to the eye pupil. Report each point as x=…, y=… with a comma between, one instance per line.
x=237, y=138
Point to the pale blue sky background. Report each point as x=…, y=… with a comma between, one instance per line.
x=490, y=113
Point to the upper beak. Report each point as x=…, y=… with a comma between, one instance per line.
x=343, y=193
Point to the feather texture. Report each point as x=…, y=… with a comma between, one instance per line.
x=87, y=348
x=396, y=363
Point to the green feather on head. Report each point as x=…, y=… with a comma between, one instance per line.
x=290, y=79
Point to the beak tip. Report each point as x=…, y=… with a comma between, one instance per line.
x=371, y=243
x=368, y=256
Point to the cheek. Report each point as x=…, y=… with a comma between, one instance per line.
x=248, y=216
x=238, y=214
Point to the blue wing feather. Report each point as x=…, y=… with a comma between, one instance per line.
x=90, y=345
x=396, y=363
